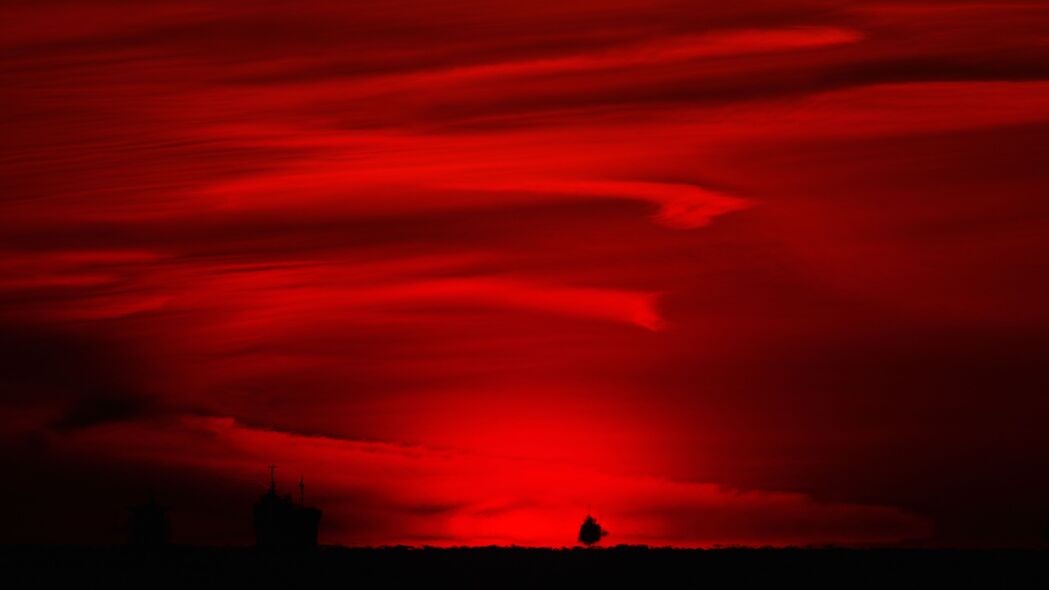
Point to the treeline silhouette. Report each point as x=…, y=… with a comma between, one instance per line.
x=280, y=523
x=287, y=554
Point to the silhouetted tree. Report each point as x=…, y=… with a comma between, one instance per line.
x=590, y=532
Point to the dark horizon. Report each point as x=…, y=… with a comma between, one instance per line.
x=240, y=537
x=528, y=568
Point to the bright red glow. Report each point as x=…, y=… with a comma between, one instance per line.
x=768, y=273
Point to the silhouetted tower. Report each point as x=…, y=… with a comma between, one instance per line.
x=279, y=523
x=590, y=532
x=148, y=524
x=307, y=520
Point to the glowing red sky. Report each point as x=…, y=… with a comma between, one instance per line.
x=758, y=272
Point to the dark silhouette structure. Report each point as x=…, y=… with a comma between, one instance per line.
x=148, y=524
x=590, y=532
x=280, y=523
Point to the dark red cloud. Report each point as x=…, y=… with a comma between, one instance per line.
x=763, y=273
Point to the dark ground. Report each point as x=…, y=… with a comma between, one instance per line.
x=100, y=567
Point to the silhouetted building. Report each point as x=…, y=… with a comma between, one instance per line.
x=148, y=524
x=590, y=532
x=279, y=522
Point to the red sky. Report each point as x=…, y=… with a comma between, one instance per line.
x=757, y=272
